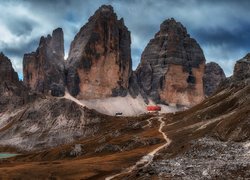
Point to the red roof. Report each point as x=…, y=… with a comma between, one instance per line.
x=153, y=108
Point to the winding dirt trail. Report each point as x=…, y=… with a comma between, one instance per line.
x=147, y=159
x=149, y=123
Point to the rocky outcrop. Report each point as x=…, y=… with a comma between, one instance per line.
x=241, y=74
x=43, y=70
x=99, y=61
x=7, y=73
x=172, y=66
x=242, y=69
x=13, y=93
x=213, y=76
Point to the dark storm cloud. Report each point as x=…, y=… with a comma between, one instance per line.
x=221, y=27
x=24, y=27
x=26, y=47
x=233, y=39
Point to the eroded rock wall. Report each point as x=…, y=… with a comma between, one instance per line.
x=43, y=70
x=7, y=73
x=213, y=76
x=99, y=62
x=178, y=91
x=13, y=94
x=172, y=66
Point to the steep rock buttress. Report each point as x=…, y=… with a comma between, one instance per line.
x=12, y=91
x=99, y=61
x=43, y=70
x=172, y=66
x=213, y=76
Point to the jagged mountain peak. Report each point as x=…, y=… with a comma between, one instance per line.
x=247, y=57
x=7, y=73
x=43, y=70
x=212, y=78
x=172, y=26
x=103, y=12
x=106, y=8
x=1, y=54
x=99, y=61
x=172, y=66
x=242, y=69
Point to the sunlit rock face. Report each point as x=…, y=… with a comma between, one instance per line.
x=172, y=66
x=43, y=70
x=99, y=61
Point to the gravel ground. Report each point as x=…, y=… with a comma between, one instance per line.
x=206, y=159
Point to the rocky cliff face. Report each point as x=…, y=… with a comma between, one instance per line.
x=43, y=70
x=13, y=94
x=172, y=66
x=99, y=62
x=242, y=69
x=213, y=76
x=7, y=73
x=241, y=74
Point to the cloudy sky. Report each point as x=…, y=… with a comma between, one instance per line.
x=222, y=27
